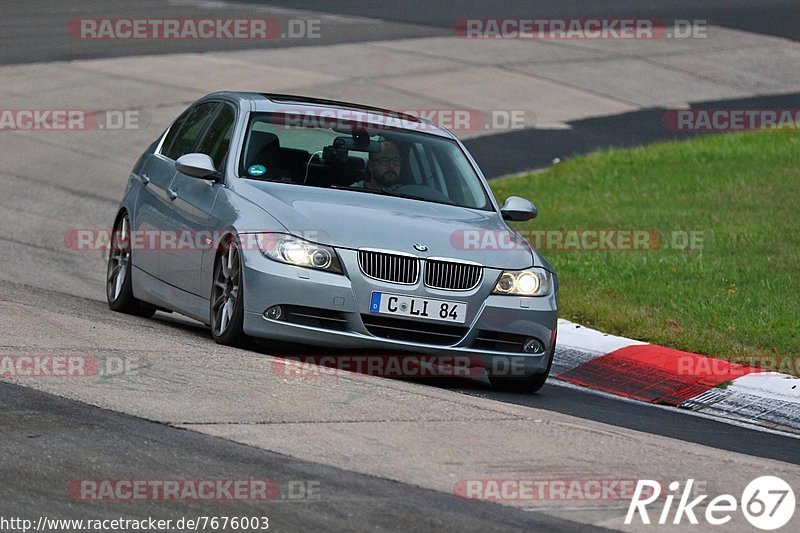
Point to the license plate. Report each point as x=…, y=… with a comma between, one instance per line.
x=416, y=307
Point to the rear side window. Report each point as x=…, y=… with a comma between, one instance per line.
x=188, y=132
x=217, y=138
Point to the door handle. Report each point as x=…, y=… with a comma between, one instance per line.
x=172, y=194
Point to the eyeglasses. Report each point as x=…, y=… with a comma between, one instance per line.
x=386, y=161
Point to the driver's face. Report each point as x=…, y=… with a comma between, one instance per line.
x=385, y=165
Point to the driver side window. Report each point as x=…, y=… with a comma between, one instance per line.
x=217, y=138
x=184, y=140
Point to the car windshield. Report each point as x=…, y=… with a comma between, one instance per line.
x=363, y=158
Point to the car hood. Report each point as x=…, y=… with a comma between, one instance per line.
x=348, y=219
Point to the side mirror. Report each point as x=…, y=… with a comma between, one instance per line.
x=197, y=166
x=517, y=209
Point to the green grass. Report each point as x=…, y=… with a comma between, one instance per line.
x=738, y=297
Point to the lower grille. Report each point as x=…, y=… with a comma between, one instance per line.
x=411, y=330
x=314, y=317
x=500, y=342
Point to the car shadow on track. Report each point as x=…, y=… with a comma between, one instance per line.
x=579, y=403
x=357, y=360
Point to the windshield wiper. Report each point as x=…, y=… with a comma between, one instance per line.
x=382, y=192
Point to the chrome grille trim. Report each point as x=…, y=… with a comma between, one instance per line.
x=404, y=269
x=452, y=275
x=392, y=267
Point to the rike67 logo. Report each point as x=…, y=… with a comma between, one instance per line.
x=768, y=503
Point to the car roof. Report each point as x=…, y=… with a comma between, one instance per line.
x=321, y=107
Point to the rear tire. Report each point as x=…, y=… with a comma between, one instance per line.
x=119, y=279
x=227, y=297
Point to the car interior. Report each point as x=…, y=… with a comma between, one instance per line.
x=337, y=158
x=295, y=165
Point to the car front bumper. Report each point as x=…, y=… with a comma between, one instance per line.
x=269, y=283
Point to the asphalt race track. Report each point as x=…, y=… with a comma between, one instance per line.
x=53, y=441
x=386, y=454
x=770, y=17
x=34, y=32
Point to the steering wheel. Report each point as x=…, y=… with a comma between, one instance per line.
x=423, y=191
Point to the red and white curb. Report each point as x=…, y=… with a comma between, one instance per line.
x=655, y=374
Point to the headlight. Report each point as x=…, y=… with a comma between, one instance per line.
x=296, y=251
x=530, y=282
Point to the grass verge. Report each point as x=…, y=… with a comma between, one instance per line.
x=720, y=274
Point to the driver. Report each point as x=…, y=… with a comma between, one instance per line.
x=384, y=168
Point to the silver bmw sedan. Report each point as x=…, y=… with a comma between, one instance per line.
x=336, y=225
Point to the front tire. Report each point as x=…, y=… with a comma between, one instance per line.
x=524, y=384
x=227, y=297
x=119, y=279
x=527, y=384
